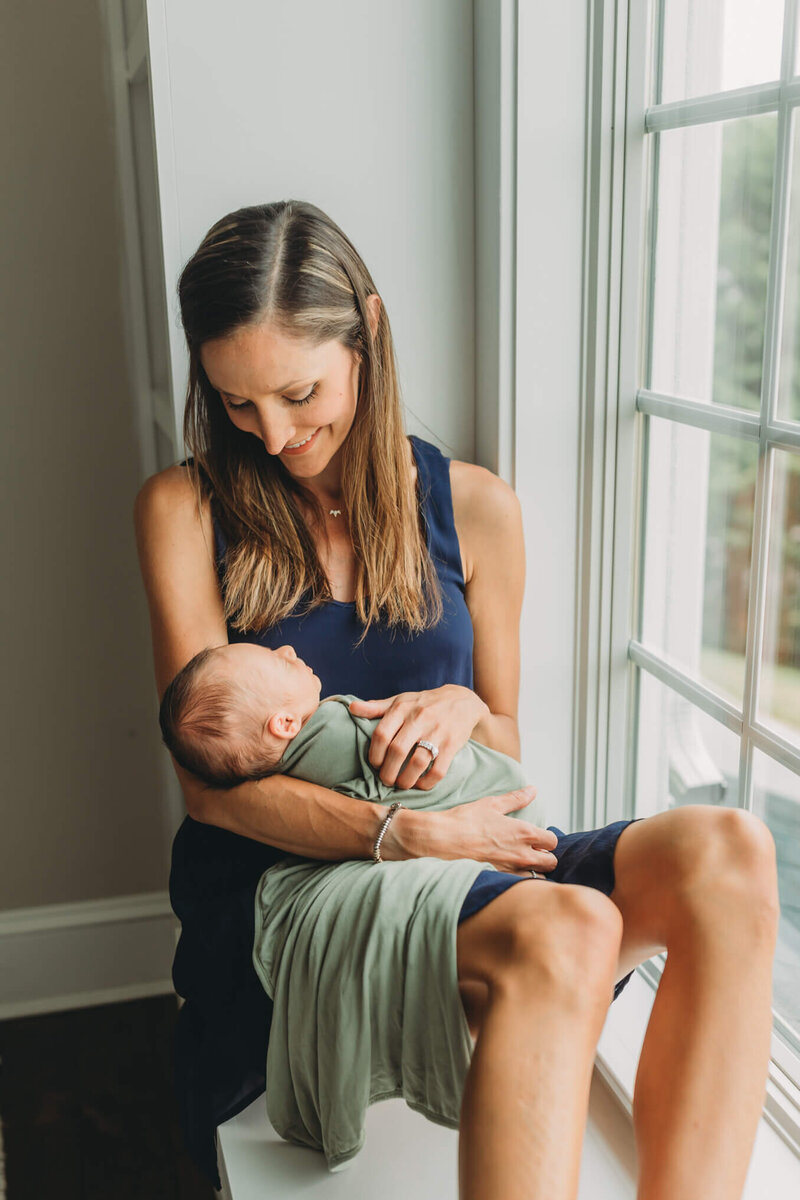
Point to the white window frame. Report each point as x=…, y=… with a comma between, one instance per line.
x=617, y=238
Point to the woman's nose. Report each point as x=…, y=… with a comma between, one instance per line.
x=275, y=434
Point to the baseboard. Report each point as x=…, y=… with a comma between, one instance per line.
x=62, y=956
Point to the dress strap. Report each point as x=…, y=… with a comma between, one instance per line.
x=433, y=469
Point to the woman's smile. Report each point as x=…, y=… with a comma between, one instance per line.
x=302, y=446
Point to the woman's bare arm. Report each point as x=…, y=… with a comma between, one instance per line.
x=316, y=822
x=489, y=523
x=176, y=553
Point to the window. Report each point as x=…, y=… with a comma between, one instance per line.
x=698, y=623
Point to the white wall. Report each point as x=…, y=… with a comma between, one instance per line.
x=83, y=817
x=363, y=109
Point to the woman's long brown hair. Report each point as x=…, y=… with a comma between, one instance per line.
x=289, y=265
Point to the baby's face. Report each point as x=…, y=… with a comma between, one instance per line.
x=281, y=680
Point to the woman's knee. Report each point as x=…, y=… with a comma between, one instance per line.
x=731, y=865
x=564, y=936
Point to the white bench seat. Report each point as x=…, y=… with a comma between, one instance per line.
x=405, y=1157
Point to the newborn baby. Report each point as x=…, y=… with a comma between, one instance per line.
x=230, y=713
x=375, y=948
x=242, y=711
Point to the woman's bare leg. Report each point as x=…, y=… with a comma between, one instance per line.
x=547, y=954
x=700, y=882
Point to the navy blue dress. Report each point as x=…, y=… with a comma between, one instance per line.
x=223, y=1026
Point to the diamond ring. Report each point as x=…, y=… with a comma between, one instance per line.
x=429, y=746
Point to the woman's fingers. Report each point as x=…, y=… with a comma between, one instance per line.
x=540, y=874
x=436, y=771
x=401, y=748
x=385, y=755
x=370, y=708
x=423, y=772
x=523, y=797
x=520, y=798
x=445, y=716
x=483, y=830
x=393, y=741
x=415, y=768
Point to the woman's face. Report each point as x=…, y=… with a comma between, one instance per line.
x=298, y=399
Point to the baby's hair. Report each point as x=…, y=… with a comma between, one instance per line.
x=214, y=728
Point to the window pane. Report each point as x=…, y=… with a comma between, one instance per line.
x=714, y=208
x=789, y=377
x=715, y=47
x=779, y=688
x=698, y=539
x=776, y=799
x=683, y=756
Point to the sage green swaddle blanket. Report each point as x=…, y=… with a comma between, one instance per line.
x=359, y=958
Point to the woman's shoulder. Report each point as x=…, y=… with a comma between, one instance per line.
x=479, y=495
x=471, y=485
x=173, y=482
x=170, y=495
x=485, y=509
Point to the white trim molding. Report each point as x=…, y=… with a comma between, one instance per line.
x=495, y=107
x=61, y=956
x=551, y=159
x=609, y=431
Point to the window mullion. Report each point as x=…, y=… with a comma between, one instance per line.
x=716, y=418
x=725, y=106
x=762, y=514
x=691, y=689
x=775, y=746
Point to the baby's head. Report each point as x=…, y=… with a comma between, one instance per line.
x=230, y=713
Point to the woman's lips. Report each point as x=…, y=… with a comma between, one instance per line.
x=306, y=445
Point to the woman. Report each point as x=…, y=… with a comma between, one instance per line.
x=307, y=517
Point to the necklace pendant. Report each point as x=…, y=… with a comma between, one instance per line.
x=335, y=512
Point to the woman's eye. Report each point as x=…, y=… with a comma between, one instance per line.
x=306, y=399
x=248, y=403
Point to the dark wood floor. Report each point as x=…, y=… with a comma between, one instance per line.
x=88, y=1108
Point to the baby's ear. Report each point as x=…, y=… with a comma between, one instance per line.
x=283, y=725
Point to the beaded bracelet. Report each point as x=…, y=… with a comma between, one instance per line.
x=376, y=849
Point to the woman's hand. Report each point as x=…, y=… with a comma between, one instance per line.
x=483, y=830
x=445, y=716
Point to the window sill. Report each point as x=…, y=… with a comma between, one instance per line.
x=775, y=1165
